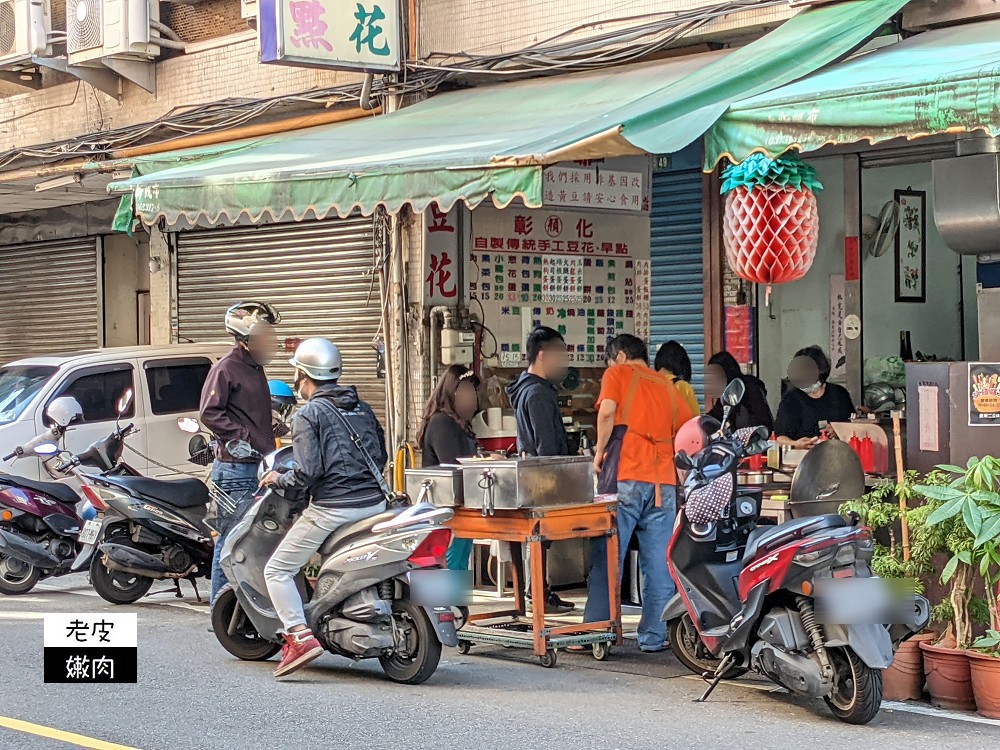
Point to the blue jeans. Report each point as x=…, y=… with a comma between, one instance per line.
x=638, y=515
x=236, y=480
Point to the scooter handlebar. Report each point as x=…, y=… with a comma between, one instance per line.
x=9, y=456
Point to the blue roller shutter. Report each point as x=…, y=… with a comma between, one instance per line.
x=677, y=304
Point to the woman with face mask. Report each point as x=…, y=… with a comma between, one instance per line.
x=811, y=401
x=446, y=435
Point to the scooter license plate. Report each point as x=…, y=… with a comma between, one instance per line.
x=91, y=530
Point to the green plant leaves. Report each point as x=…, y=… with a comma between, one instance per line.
x=949, y=570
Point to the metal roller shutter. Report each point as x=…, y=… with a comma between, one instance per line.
x=318, y=275
x=677, y=306
x=51, y=294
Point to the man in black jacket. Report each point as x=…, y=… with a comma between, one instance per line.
x=336, y=472
x=540, y=429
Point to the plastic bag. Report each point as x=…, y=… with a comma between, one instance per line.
x=890, y=370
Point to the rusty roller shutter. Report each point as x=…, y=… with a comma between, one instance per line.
x=51, y=297
x=318, y=275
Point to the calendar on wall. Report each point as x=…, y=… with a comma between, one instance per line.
x=584, y=273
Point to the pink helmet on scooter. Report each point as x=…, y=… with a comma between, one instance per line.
x=694, y=434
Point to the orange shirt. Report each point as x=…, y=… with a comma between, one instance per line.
x=657, y=411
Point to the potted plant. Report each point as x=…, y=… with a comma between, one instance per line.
x=984, y=663
x=967, y=508
x=879, y=510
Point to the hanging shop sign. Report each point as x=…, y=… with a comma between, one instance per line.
x=442, y=238
x=586, y=274
x=838, y=340
x=739, y=333
x=984, y=394
x=340, y=34
x=599, y=184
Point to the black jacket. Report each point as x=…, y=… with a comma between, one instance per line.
x=540, y=429
x=329, y=464
x=445, y=441
x=236, y=404
x=752, y=411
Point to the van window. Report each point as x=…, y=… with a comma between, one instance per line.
x=19, y=384
x=176, y=388
x=98, y=393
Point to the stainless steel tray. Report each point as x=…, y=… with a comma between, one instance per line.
x=440, y=485
x=512, y=483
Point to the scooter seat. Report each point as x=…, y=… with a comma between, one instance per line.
x=178, y=493
x=767, y=538
x=347, y=533
x=61, y=492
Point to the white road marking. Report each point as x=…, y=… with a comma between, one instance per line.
x=157, y=599
x=21, y=615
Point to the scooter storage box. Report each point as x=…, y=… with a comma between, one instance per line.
x=511, y=483
x=443, y=485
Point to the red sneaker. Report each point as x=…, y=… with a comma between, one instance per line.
x=300, y=648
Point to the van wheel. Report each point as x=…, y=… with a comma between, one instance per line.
x=117, y=586
x=17, y=577
x=245, y=643
x=691, y=652
x=418, y=649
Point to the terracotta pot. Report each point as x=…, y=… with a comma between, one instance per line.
x=986, y=684
x=949, y=677
x=904, y=680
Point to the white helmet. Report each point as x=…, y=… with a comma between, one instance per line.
x=318, y=358
x=243, y=316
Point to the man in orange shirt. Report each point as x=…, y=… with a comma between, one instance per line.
x=648, y=409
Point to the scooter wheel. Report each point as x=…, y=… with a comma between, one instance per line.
x=245, y=643
x=692, y=653
x=116, y=586
x=17, y=577
x=857, y=695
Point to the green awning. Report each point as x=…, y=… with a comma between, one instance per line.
x=492, y=141
x=942, y=81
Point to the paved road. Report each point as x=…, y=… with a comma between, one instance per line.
x=193, y=696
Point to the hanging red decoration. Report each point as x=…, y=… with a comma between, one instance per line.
x=771, y=223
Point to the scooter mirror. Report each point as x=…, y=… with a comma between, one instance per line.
x=125, y=402
x=186, y=424
x=47, y=449
x=734, y=393
x=64, y=411
x=197, y=444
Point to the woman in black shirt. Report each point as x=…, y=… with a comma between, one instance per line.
x=753, y=410
x=811, y=401
x=446, y=435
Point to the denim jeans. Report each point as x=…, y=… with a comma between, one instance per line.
x=236, y=480
x=638, y=515
x=306, y=536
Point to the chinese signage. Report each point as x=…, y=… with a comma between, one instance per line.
x=91, y=647
x=585, y=274
x=441, y=255
x=838, y=342
x=347, y=34
x=984, y=394
x=612, y=184
x=739, y=333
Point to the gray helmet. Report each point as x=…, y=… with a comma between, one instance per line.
x=318, y=358
x=243, y=316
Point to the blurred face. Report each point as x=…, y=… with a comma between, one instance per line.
x=554, y=362
x=263, y=343
x=803, y=373
x=466, y=400
x=715, y=380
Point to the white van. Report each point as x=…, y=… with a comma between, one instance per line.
x=167, y=382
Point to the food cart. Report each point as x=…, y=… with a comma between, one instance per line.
x=528, y=501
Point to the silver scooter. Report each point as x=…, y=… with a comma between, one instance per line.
x=363, y=605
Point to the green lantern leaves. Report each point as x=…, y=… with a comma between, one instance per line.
x=757, y=170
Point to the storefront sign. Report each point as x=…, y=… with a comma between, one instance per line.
x=739, y=333
x=601, y=184
x=441, y=255
x=838, y=343
x=927, y=414
x=340, y=34
x=984, y=394
x=852, y=259
x=581, y=273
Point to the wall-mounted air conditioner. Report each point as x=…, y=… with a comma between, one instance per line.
x=25, y=26
x=98, y=29
x=248, y=10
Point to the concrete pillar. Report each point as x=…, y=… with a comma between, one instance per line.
x=161, y=289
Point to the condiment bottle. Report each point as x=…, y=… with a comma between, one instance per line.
x=774, y=454
x=867, y=455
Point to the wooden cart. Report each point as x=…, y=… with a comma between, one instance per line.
x=532, y=527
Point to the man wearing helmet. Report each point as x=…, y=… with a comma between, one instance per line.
x=236, y=405
x=331, y=435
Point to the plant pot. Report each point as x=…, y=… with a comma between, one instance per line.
x=904, y=680
x=949, y=677
x=986, y=683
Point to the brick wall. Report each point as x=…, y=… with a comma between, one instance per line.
x=230, y=71
x=483, y=28
x=207, y=20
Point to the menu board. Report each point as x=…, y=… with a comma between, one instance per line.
x=586, y=274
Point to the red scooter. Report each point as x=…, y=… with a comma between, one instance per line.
x=747, y=594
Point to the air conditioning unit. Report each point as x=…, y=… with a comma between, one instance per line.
x=25, y=26
x=248, y=10
x=98, y=29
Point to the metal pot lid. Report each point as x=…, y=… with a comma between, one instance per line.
x=830, y=471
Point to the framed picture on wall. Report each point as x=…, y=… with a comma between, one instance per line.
x=911, y=246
